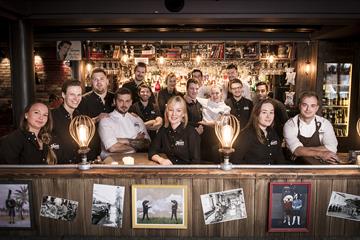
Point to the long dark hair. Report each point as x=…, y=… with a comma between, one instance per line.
x=254, y=119
x=44, y=133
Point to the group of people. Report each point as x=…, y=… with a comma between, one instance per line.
x=172, y=128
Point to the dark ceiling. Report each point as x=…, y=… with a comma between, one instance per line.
x=198, y=19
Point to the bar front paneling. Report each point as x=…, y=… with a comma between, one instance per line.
x=77, y=185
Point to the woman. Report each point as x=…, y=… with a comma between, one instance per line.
x=176, y=139
x=30, y=144
x=168, y=92
x=212, y=108
x=147, y=110
x=258, y=142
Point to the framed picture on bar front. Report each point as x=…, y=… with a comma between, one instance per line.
x=289, y=207
x=159, y=206
x=16, y=205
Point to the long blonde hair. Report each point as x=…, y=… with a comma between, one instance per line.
x=172, y=101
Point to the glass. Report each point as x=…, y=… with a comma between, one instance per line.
x=336, y=96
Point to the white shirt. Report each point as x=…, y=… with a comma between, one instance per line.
x=326, y=133
x=119, y=125
x=212, y=110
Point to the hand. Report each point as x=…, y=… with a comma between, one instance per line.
x=187, y=98
x=124, y=141
x=165, y=162
x=199, y=129
x=134, y=114
x=329, y=157
x=140, y=135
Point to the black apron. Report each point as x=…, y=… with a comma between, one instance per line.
x=313, y=141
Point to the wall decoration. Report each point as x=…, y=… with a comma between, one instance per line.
x=289, y=207
x=68, y=50
x=223, y=206
x=58, y=208
x=107, y=205
x=159, y=206
x=344, y=205
x=16, y=207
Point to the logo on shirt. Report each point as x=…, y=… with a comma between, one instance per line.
x=152, y=112
x=246, y=108
x=273, y=142
x=179, y=143
x=55, y=146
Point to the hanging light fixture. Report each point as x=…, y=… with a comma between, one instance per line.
x=82, y=130
x=227, y=128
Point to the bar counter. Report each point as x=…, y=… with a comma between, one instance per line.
x=67, y=181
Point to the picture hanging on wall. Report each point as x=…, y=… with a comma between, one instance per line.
x=289, y=207
x=223, y=206
x=159, y=206
x=344, y=205
x=16, y=206
x=107, y=205
x=58, y=208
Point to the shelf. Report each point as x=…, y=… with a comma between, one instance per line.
x=335, y=106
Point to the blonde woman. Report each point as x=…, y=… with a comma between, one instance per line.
x=168, y=92
x=178, y=141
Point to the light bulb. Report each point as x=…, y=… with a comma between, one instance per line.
x=83, y=133
x=271, y=59
x=88, y=67
x=307, y=68
x=125, y=58
x=198, y=59
x=161, y=60
x=227, y=133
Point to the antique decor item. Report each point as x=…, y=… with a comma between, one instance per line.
x=227, y=128
x=82, y=130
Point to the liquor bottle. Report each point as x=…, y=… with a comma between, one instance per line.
x=157, y=86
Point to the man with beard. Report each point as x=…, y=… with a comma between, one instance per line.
x=97, y=104
x=133, y=84
x=122, y=132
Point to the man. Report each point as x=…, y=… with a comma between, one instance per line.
x=309, y=135
x=122, y=132
x=174, y=207
x=262, y=92
x=232, y=73
x=194, y=108
x=146, y=208
x=132, y=85
x=65, y=146
x=63, y=49
x=97, y=104
x=240, y=107
x=204, y=91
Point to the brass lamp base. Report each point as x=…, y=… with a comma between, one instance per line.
x=226, y=165
x=84, y=165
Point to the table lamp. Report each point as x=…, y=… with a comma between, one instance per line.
x=82, y=130
x=227, y=128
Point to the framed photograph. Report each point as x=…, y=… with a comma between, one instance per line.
x=68, y=50
x=16, y=205
x=58, y=208
x=289, y=207
x=344, y=205
x=159, y=206
x=223, y=206
x=107, y=205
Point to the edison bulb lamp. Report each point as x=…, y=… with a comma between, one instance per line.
x=82, y=130
x=227, y=128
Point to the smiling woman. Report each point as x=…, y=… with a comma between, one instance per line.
x=30, y=144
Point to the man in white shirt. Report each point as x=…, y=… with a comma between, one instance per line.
x=122, y=132
x=309, y=135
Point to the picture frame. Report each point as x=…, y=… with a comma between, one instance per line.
x=289, y=207
x=159, y=206
x=344, y=205
x=16, y=204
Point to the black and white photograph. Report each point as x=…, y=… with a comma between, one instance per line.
x=15, y=204
x=223, y=206
x=107, y=205
x=68, y=50
x=58, y=208
x=344, y=205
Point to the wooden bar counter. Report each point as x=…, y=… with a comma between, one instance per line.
x=68, y=182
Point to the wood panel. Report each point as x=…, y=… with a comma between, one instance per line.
x=79, y=186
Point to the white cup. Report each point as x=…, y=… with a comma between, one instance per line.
x=128, y=160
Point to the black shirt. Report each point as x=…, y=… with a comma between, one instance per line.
x=92, y=105
x=240, y=109
x=150, y=112
x=249, y=150
x=280, y=119
x=163, y=98
x=22, y=147
x=181, y=146
x=66, y=147
x=131, y=85
x=194, y=110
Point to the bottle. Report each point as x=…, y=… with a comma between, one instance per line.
x=157, y=86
